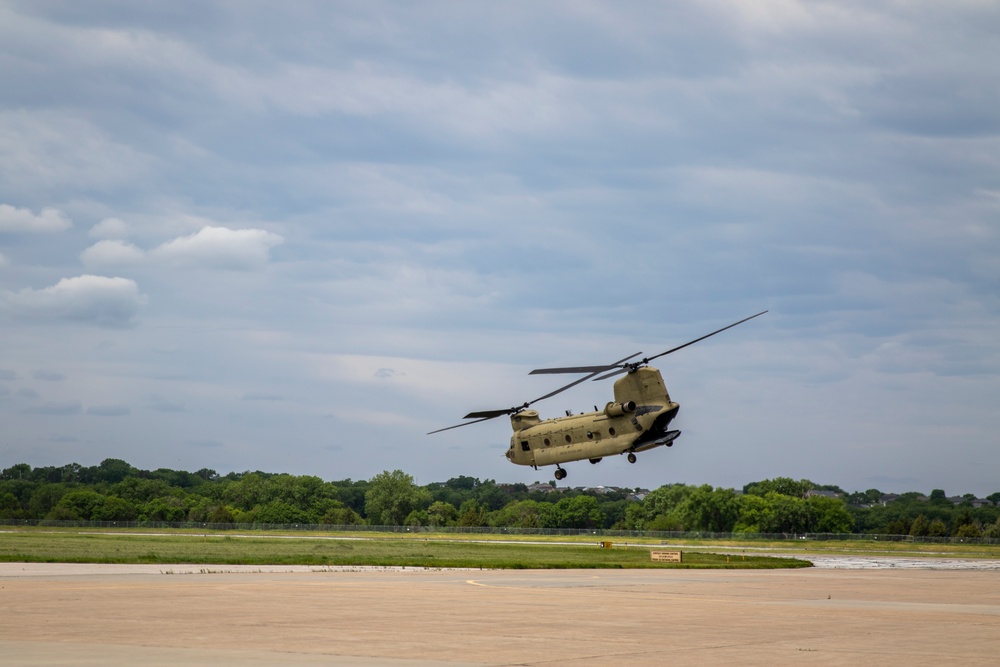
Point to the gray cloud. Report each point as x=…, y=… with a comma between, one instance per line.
x=112, y=252
x=258, y=396
x=22, y=220
x=220, y=248
x=110, y=229
x=206, y=444
x=49, y=376
x=109, y=410
x=160, y=404
x=55, y=409
x=109, y=302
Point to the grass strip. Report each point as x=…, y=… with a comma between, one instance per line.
x=62, y=547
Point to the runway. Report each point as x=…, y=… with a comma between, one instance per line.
x=62, y=614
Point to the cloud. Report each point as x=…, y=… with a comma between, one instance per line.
x=160, y=404
x=55, y=409
x=98, y=300
x=23, y=220
x=111, y=253
x=207, y=444
x=110, y=228
x=3, y=260
x=253, y=396
x=220, y=248
x=109, y=410
x=48, y=376
x=210, y=248
x=7, y=374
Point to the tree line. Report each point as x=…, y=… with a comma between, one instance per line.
x=116, y=491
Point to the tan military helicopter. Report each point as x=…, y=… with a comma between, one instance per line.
x=635, y=421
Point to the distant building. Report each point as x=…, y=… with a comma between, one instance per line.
x=543, y=488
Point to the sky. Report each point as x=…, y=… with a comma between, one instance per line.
x=297, y=237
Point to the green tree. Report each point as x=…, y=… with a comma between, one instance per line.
x=165, y=508
x=113, y=471
x=441, y=514
x=660, y=509
x=341, y=516
x=248, y=492
x=281, y=512
x=391, y=496
x=789, y=514
x=713, y=510
x=221, y=514
x=44, y=499
x=416, y=518
x=523, y=514
x=17, y=471
x=754, y=512
x=920, y=526
x=471, y=513
x=937, y=529
x=828, y=515
x=783, y=485
x=140, y=490
x=968, y=530
x=114, y=509
x=10, y=508
x=77, y=505
x=578, y=512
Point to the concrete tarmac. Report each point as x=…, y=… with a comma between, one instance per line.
x=57, y=614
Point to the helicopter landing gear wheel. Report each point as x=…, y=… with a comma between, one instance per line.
x=631, y=457
x=560, y=473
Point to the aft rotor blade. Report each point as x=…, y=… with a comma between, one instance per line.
x=598, y=369
x=681, y=347
x=617, y=371
x=582, y=369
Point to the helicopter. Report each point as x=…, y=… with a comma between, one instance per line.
x=635, y=421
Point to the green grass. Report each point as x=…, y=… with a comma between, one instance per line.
x=214, y=548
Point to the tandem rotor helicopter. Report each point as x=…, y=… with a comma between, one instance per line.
x=636, y=421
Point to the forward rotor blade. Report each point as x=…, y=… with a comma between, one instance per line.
x=448, y=428
x=493, y=414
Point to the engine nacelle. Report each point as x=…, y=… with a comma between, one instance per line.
x=619, y=409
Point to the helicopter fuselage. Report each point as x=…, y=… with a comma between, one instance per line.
x=635, y=421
